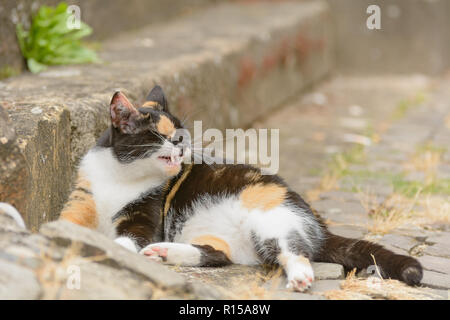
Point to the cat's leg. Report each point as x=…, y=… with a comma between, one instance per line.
x=282, y=251
x=183, y=254
x=81, y=208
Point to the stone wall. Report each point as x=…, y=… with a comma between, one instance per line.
x=106, y=17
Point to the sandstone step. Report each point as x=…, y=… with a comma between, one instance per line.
x=101, y=15
x=227, y=65
x=414, y=36
x=66, y=261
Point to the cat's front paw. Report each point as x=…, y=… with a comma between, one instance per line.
x=155, y=253
x=173, y=253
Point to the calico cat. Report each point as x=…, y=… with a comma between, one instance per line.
x=136, y=185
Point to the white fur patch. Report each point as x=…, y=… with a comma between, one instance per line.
x=12, y=212
x=226, y=218
x=114, y=184
x=177, y=253
x=127, y=243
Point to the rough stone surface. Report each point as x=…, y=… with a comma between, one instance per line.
x=13, y=169
x=17, y=283
x=66, y=234
x=240, y=62
x=65, y=261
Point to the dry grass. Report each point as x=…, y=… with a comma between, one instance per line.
x=253, y=289
x=398, y=210
x=353, y=288
x=426, y=160
x=328, y=182
x=390, y=214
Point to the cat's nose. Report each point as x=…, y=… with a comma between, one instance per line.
x=181, y=152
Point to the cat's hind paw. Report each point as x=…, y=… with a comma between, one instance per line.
x=300, y=276
x=299, y=284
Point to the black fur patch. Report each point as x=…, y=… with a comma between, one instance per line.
x=211, y=257
x=267, y=250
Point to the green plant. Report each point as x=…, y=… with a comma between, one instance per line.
x=50, y=41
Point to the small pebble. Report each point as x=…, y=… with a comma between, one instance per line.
x=36, y=110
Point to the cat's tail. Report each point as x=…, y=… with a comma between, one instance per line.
x=352, y=253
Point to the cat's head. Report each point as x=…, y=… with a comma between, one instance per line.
x=149, y=135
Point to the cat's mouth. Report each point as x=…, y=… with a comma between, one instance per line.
x=171, y=161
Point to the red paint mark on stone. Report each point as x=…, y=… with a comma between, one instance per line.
x=247, y=70
x=270, y=61
x=283, y=52
x=302, y=47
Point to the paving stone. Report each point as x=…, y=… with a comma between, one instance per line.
x=437, y=264
x=328, y=271
x=438, y=249
x=325, y=285
x=398, y=241
x=342, y=212
x=348, y=231
x=413, y=232
x=288, y=295
x=439, y=244
x=436, y=280
x=324, y=273
x=438, y=294
x=440, y=238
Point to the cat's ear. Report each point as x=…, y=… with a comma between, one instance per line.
x=156, y=99
x=123, y=114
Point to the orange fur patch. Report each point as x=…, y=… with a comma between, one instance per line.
x=263, y=196
x=172, y=171
x=150, y=104
x=81, y=209
x=215, y=242
x=304, y=260
x=165, y=126
x=282, y=260
x=175, y=188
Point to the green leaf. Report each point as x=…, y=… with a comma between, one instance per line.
x=49, y=41
x=35, y=66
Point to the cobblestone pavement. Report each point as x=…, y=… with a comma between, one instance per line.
x=372, y=157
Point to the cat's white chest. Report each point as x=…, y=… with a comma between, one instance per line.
x=114, y=185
